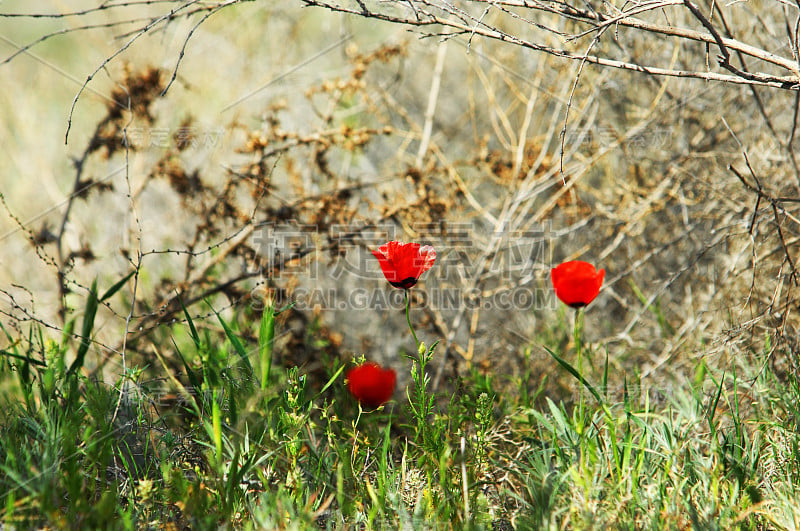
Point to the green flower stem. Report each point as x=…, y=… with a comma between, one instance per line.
x=577, y=334
x=408, y=319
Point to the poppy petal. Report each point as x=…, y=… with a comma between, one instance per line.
x=577, y=283
x=403, y=263
x=371, y=384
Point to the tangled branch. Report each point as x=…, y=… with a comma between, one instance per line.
x=447, y=19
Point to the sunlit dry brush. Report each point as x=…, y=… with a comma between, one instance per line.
x=514, y=153
x=646, y=147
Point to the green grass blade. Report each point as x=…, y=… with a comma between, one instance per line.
x=23, y=358
x=190, y=374
x=11, y=340
x=86, y=331
x=116, y=287
x=266, y=339
x=331, y=380
x=235, y=341
x=576, y=374
x=192, y=329
x=216, y=425
x=13, y=343
x=714, y=404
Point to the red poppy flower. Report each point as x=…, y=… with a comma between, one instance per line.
x=371, y=384
x=403, y=263
x=577, y=283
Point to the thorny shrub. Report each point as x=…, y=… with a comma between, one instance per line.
x=322, y=176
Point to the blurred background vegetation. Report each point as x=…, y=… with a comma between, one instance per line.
x=332, y=133
x=295, y=136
